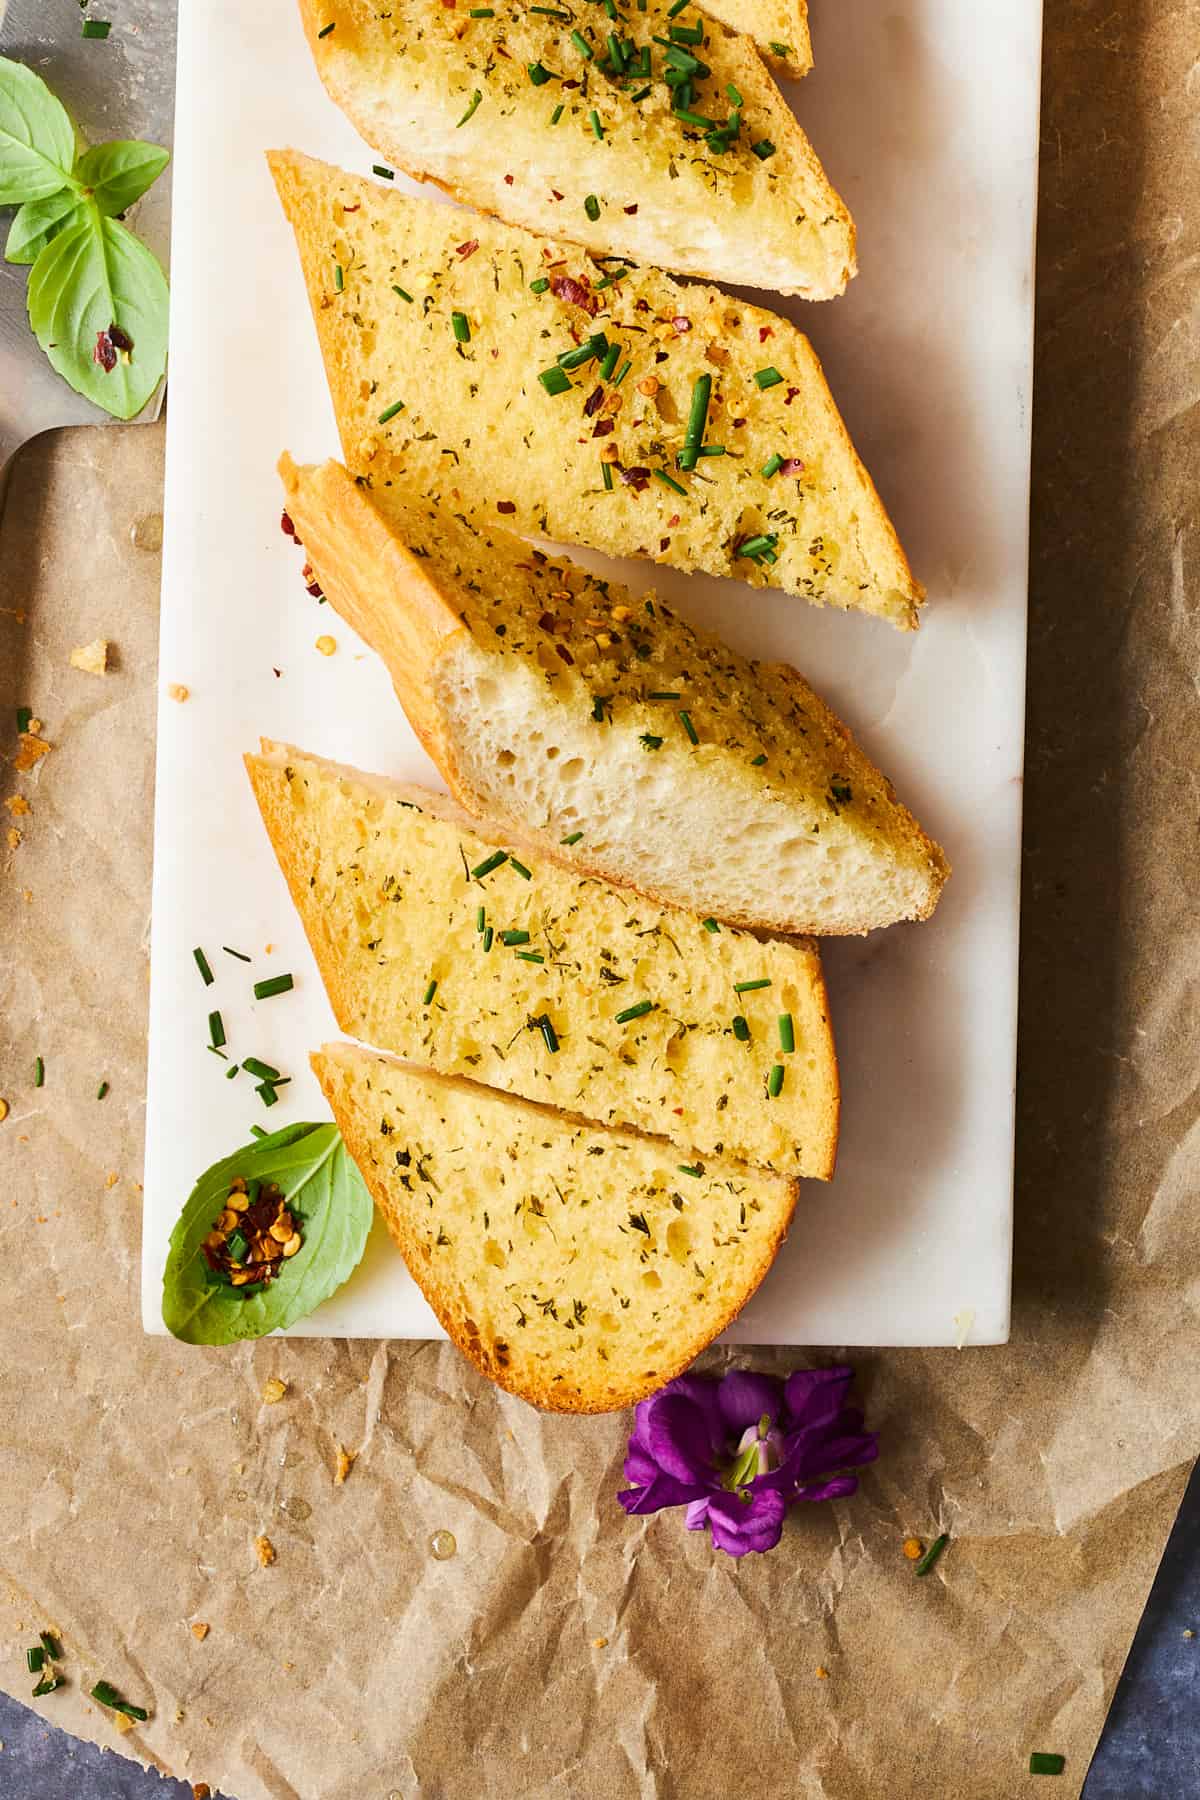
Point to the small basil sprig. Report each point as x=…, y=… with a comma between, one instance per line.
x=97, y=297
x=327, y=1197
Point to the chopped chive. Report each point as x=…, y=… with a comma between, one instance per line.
x=616, y=53
x=402, y=294
x=697, y=419
x=734, y=97
x=108, y=1696
x=216, y=1030
x=674, y=10
x=430, y=991
x=550, y=12
x=688, y=117
x=756, y=762
x=772, y=466
x=539, y=286
x=581, y=44
x=787, y=1034
x=685, y=719
x=621, y=373
x=482, y=12
x=606, y=476
x=24, y=718
x=538, y=74
x=635, y=1012
x=649, y=741
x=763, y=149
x=519, y=868
x=931, y=1555
x=278, y=984
x=263, y=1070
x=214, y=1051
x=664, y=696
x=741, y=1029
x=588, y=351
x=382, y=170
x=481, y=918
x=711, y=450
x=669, y=481
x=599, y=703
x=51, y=1646
x=461, y=326
x=548, y=1032
x=686, y=34
x=326, y=29
x=266, y=1093
x=710, y=925
x=488, y=864
x=597, y=127
x=102, y=1090
x=48, y=1683
x=533, y=956
x=555, y=381
x=339, y=278
x=231, y=1071
x=591, y=207
x=389, y=412
x=779, y=49
x=100, y=28
x=258, y=1131
x=758, y=546
x=692, y=1169
x=35, y=1659
x=768, y=377
x=1046, y=1762
x=751, y=987
x=573, y=838
x=39, y=1072
x=206, y=974
x=775, y=1081
x=556, y=115
x=488, y=938
x=240, y=954
x=514, y=937
x=612, y=357
x=476, y=97
x=641, y=94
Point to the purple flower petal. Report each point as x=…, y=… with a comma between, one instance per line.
x=696, y=1516
x=739, y=1526
x=678, y=1437
x=704, y=1393
x=664, y=1490
x=834, y=1489
x=745, y=1397
x=816, y=1396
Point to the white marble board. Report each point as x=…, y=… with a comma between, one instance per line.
x=926, y=115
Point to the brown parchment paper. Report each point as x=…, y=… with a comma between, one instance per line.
x=562, y=1650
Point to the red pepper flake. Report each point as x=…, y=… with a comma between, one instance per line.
x=547, y=622
x=681, y=325
x=593, y=403
x=556, y=193
x=673, y=520
x=353, y=208
x=105, y=352
x=660, y=356
x=120, y=338
x=467, y=249
x=738, y=423
x=637, y=479
x=764, y=332
x=664, y=543
x=641, y=306
x=286, y=526
x=602, y=427
x=571, y=84
x=565, y=654
x=506, y=506
x=508, y=181
x=790, y=396
x=575, y=290
x=791, y=465
x=630, y=210
x=314, y=588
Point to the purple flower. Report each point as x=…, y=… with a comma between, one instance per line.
x=738, y=1451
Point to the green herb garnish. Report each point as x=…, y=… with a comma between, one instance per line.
x=430, y=991
x=489, y=864
x=263, y=1070
x=50, y=1646
x=108, y=1696
x=787, y=1034
x=710, y=925
x=278, y=984
x=741, y=1029
x=519, y=868
x=685, y=719
x=216, y=1030
x=1046, y=1762
x=555, y=381
x=649, y=741
x=594, y=121
x=102, y=1090
x=326, y=29
x=206, y=974
x=476, y=97
x=775, y=1081
x=763, y=149
x=591, y=207
x=539, y=286
x=768, y=377
x=573, y=838
x=548, y=1033
x=489, y=933
x=339, y=278
x=538, y=74
x=751, y=987
x=581, y=44
x=402, y=294
x=461, y=326
x=48, y=1683
x=512, y=938
x=240, y=954
x=100, y=28
x=638, y=1011
x=932, y=1554
x=669, y=481
x=35, y=1658
x=389, y=412
x=382, y=170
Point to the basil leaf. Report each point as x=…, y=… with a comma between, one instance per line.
x=115, y=175
x=37, y=139
x=95, y=275
x=312, y=1168
x=35, y=223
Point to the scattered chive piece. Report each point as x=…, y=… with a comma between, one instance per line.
x=549, y=12
x=216, y=1030
x=476, y=97
x=39, y=1072
x=711, y=450
x=35, y=1659
x=482, y=12
x=326, y=29
x=685, y=719
x=231, y=1071
x=649, y=741
x=641, y=94
x=598, y=705
x=539, y=286
x=278, y=984
x=768, y=377
x=258, y=1131
x=621, y=373
x=100, y=28
x=779, y=49
x=266, y=1093
x=24, y=718
x=697, y=419
x=47, y=1685
x=606, y=476
x=763, y=149
x=430, y=991
x=755, y=547
x=488, y=864
x=402, y=294
x=756, y=762
x=669, y=481
x=102, y=1090
x=612, y=357
x=931, y=1555
x=734, y=97
x=775, y=1081
x=108, y=1696
x=616, y=53
x=1046, y=1762
x=556, y=115
x=206, y=974
x=533, y=956
x=520, y=869
x=588, y=351
x=664, y=696
x=710, y=925
x=635, y=1012
x=591, y=207
x=555, y=381
x=581, y=44
x=691, y=1169
x=462, y=327
x=674, y=11
x=514, y=937
x=214, y=1051
x=389, y=412
x=263, y=1070
x=548, y=1032
x=240, y=954
x=772, y=466
x=787, y=1034
x=383, y=171
x=751, y=987
x=597, y=127
x=339, y=278
x=488, y=938
x=481, y=918
x=538, y=74
x=51, y=1646
x=574, y=838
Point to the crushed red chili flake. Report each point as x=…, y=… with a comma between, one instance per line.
x=673, y=520
x=593, y=403
x=353, y=208
x=681, y=324
x=285, y=524
x=508, y=181
x=790, y=396
x=120, y=338
x=547, y=622
x=641, y=306
x=738, y=423
x=566, y=655
x=575, y=290
x=637, y=479
x=764, y=332
x=660, y=356
x=315, y=589
x=555, y=193
x=105, y=352
x=571, y=84
x=791, y=465
x=664, y=543
x=631, y=210
x=467, y=249
x=602, y=427
x=506, y=506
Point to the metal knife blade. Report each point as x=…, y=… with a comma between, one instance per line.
x=122, y=86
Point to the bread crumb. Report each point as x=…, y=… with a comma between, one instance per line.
x=346, y=1460
x=822, y=1672
x=600, y=1643
x=18, y=805
x=201, y=1791
x=326, y=645
x=111, y=1179
x=177, y=691
x=14, y=837
x=265, y=1550
x=3, y=1111
x=199, y=1630
x=914, y=1549
x=1189, y=1633
x=33, y=748
x=123, y=1723
x=91, y=658
x=273, y=1391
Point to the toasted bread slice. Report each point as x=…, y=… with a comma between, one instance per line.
x=580, y=1268
x=437, y=942
x=778, y=27
x=608, y=731
x=526, y=116
x=472, y=422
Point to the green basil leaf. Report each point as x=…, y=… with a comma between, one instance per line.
x=35, y=223
x=37, y=139
x=312, y=1168
x=115, y=175
x=92, y=276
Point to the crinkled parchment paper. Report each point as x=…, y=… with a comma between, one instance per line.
x=563, y=1650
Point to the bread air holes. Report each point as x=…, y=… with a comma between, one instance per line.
x=494, y=1255
x=679, y=1240
x=505, y=759
x=651, y=1279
